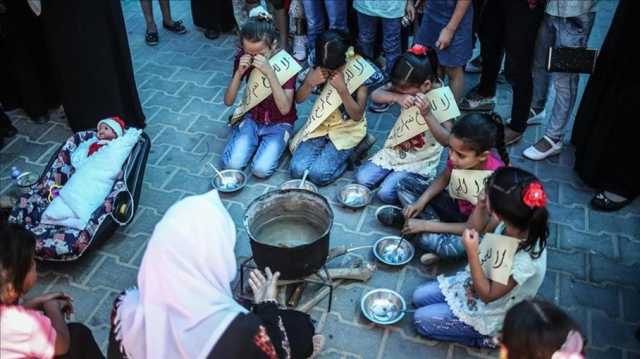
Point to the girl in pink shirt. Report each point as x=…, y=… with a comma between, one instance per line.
x=34, y=328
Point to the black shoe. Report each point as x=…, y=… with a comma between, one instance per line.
x=211, y=34
x=151, y=38
x=40, y=119
x=390, y=216
x=601, y=202
x=176, y=27
x=361, y=149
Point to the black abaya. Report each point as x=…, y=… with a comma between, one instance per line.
x=87, y=42
x=216, y=15
x=27, y=78
x=606, y=125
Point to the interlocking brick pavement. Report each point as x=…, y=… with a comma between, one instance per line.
x=593, y=257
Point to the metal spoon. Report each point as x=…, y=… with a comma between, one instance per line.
x=398, y=245
x=304, y=178
x=225, y=180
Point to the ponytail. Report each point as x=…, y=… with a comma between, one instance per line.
x=500, y=144
x=259, y=27
x=482, y=132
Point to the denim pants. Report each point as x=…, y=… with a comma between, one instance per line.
x=391, y=29
x=558, y=31
x=445, y=245
x=435, y=320
x=314, y=11
x=372, y=176
x=323, y=160
x=264, y=143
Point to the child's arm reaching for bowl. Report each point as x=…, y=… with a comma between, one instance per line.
x=487, y=290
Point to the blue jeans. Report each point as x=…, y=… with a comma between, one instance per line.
x=558, y=31
x=435, y=320
x=372, y=176
x=264, y=143
x=323, y=160
x=445, y=245
x=314, y=11
x=391, y=29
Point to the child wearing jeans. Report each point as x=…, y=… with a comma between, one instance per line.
x=447, y=25
x=413, y=75
x=264, y=131
x=468, y=307
x=536, y=329
x=471, y=143
x=35, y=328
x=565, y=23
x=389, y=13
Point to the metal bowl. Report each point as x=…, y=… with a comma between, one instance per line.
x=355, y=195
x=385, y=251
x=26, y=180
x=295, y=184
x=383, y=306
x=229, y=180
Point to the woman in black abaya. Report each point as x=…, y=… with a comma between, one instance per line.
x=87, y=43
x=213, y=16
x=606, y=126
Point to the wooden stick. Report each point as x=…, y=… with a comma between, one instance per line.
x=363, y=274
x=296, y=295
x=308, y=305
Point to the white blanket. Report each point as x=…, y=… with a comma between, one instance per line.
x=88, y=187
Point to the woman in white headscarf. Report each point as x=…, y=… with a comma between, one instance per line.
x=184, y=307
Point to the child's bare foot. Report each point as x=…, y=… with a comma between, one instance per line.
x=318, y=344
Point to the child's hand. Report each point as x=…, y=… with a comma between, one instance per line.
x=316, y=77
x=406, y=101
x=244, y=64
x=337, y=81
x=413, y=226
x=422, y=105
x=410, y=10
x=262, y=63
x=38, y=302
x=446, y=35
x=412, y=210
x=470, y=240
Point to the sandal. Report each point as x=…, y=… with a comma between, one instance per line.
x=151, y=38
x=176, y=27
x=601, y=202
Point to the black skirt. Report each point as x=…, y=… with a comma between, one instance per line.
x=87, y=42
x=210, y=14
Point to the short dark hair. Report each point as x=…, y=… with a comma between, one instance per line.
x=17, y=249
x=331, y=49
x=413, y=70
x=482, y=132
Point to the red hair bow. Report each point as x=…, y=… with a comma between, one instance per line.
x=418, y=50
x=534, y=196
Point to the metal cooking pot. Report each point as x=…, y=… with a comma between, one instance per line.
x=293, y=260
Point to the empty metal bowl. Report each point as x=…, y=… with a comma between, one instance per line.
x=383, y=306
x=229, y=180
x=355, y=195
x=386, y=250
x=295, y=184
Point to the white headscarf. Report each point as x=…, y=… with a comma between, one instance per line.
x=184, y=301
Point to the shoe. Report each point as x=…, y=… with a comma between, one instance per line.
x=429, y=259
x=474, y=66
x=176, y=27
x=151, y=38
x=476, y=102
x=544, y=148
x=300, y=48
x=511, y=136
x=211, y=34
x=390, y=216
x=361, y=149
x=379, y=107
x=603, y=203
x=535, y=117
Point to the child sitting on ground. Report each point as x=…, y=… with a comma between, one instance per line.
x=107, y=130
x=470, y=148
x=469, y=307
x=536, y=329
x=413, y=75
x=34, y=328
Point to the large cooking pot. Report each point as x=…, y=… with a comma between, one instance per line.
x=289, y=231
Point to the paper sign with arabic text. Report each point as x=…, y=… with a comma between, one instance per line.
x=467, y=184
x=496, y=255
x=258, y=87
x=442, y=104
x=356, y=72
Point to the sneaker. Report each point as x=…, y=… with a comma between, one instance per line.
x=429, y=259
x=474, y=66
x=379, y=107
x=475, y=102
x=390, y=216
x=300, y=48
x=535, y=117
x=544, y=148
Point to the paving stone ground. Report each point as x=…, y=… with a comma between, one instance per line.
x=594, y=257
